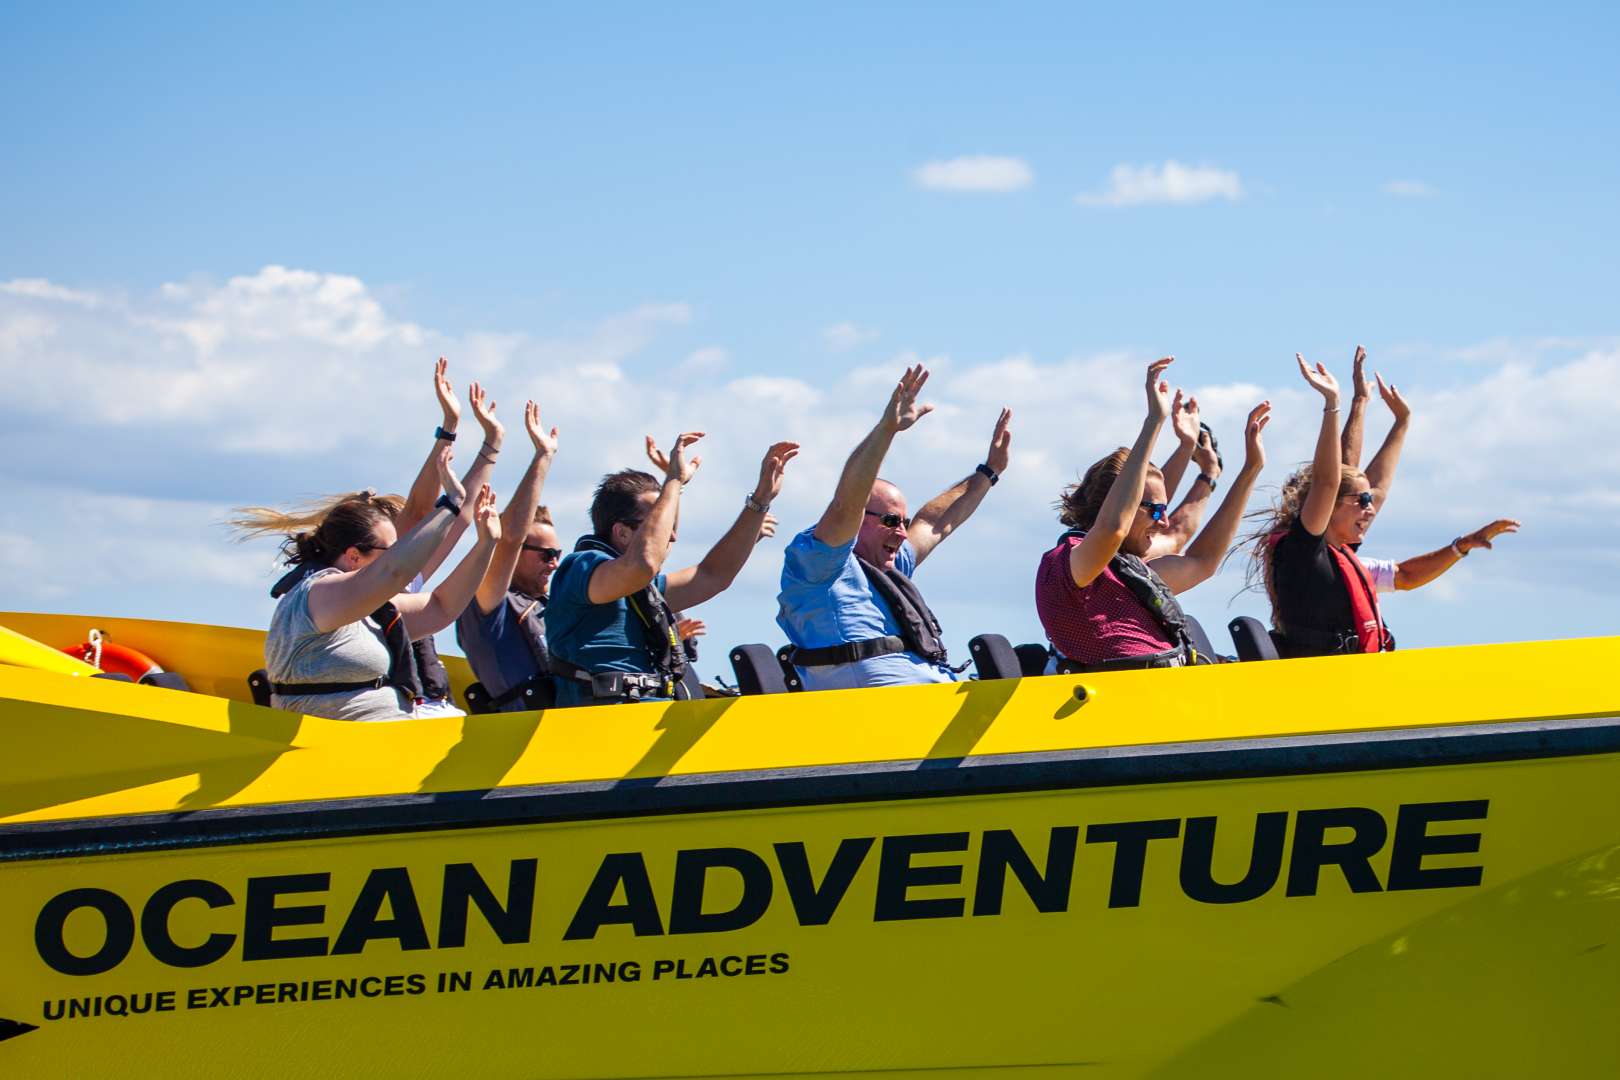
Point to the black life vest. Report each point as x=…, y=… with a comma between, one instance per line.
x=920, y=632
x=666, y=658
x=1149, y=590
x=528, y=614
x=430, y=672
x=386, y=622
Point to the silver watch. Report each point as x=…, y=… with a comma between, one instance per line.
x=751, y=503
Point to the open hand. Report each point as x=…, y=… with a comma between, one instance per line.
x=447, y=477
x=447, y=395
x=485, y=517
x=1254, y=451
x=771, y=469
x=1205, y=455
x=1358, y=378
x=1184, y=418
x=544, y=445
x=1321, y=381
x=903, y=410
x=1392, y=398
x=674, y=465
x=767, y=528
x=687, y=629
x=484, y=411
x=1000, y=444
x=1481, y=538
x=1158, y=391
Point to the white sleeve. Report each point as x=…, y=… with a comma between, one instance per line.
x=1382, y=572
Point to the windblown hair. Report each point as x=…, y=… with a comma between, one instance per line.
x=1079, y=504
x=1277, y=519
x=618, y=498
x=320, y=530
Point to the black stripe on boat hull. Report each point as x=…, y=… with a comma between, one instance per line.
x=822, y=785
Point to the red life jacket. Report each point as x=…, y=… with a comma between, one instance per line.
x=1371, y=634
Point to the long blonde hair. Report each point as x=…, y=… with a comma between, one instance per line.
x=321, y=529
x=1275, y=521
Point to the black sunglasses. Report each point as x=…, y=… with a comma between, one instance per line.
x=366, y=548
x=544, y=552
x=890, y=521
x=1155, y=510
x=1363, y=499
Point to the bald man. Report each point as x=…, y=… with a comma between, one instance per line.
x=848, y=603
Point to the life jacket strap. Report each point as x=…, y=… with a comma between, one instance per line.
x=616, y=686
x=847, y=653
x=538, y=690
x=315, y=688
x=1180, y=656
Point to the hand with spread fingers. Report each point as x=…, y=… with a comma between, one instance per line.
x=486, y=518
x=903, y=410
x=1158, y=391
x=767, y=528
x=1321, y=380
x=674, y=465
x=771, y=469
x=545, y=445
x=448, y=479
x=1360, y=388
x=1184, y=419
x=1482, y=537
x=1254, y=451
x=687, y=629
x=1392, y=398
x=483, y=408
x=1000, y=453
x=447, y=395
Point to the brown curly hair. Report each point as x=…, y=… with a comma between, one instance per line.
x=1276, y=519
x=1080, y=502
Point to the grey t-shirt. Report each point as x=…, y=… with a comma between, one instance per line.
x=296, y=652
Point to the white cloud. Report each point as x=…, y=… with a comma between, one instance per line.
x=846, y=335
x=1172, y=182
x=1407, y=189
x=40, y=289
x=977, y=172
x=142, y=434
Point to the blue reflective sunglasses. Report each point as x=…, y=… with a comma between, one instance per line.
x=1155, y=510
x=1364, y=499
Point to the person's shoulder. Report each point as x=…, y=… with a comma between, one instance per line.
x=1297, y=533
x=905, y=560
x=812, y=560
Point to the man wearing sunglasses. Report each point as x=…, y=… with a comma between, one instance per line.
x=503, y=631
x=848, y=603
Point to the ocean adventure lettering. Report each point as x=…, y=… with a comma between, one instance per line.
x=716, y=890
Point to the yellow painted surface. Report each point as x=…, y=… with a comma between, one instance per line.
x=1515, y=976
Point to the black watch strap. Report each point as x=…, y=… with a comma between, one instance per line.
x=449, y=504
x=988, y=473
x=443, y=435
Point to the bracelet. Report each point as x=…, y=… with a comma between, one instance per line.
x=449, y=504
x=489, y=450
x=751, y=503
x=1327, y=410
x=1456, y=545
x=441, y=435
x=988, y=473
x=1208, y=479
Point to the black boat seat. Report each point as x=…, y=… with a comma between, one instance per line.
x=790, y=674
x=994, y=658
x=1033, y=657
x=1251, y=639
x=113, y=676
x=259, y=687
x=758, y=670
x=169, y=680
x=1202, y=643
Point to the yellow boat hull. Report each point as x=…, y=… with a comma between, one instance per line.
x=1205, y=872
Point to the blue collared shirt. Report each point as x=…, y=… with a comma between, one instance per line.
x=826, y=600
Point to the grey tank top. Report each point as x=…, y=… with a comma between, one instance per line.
x=296, y=652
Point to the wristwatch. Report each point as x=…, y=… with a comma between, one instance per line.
x=446, y=502
x=440, y=434
x=1208, y=479
x=751, y=503
x=988, y=473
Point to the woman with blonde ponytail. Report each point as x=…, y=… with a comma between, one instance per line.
x=339, y=641
x=1323, y=600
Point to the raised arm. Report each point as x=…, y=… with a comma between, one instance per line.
x=1204, y=556
x=1324, y=493
x=1184, y=422
x=339, y=599
x=648, y=547
x=1102, y=540
x=719, y=568
x=1184, y=521
x=941, y=515
x=1419, y=570
x=429, y=612
x=425, y=489
x=1355, y=423
x=477, y=476
x=842, y=519
x=1381, y=469
x=519, y=514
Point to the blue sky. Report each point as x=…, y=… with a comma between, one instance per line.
x=535, y=189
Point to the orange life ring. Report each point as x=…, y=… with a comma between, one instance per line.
x=120, y=659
